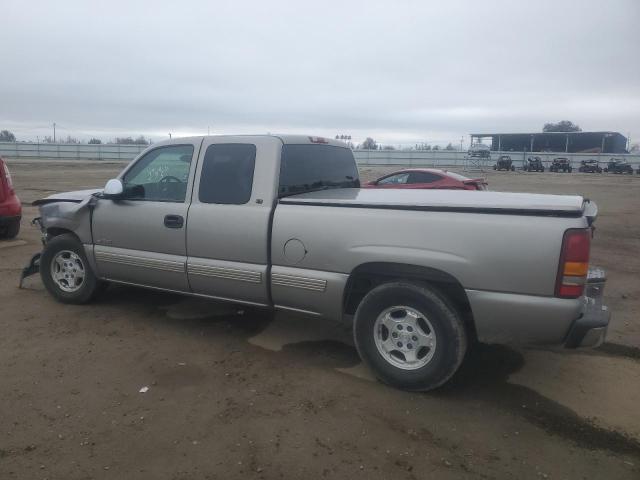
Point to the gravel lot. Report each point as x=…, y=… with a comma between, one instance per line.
x=242, y=396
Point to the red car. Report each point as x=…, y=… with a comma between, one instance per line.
x=10, y=206
x=427, y=178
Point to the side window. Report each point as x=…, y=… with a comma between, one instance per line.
x=423, y=177
x=161, y=175
x=227, y=173
x=398, y=179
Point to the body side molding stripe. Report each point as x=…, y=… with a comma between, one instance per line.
x=155, y=263
x=249, y=276
x=293, y=281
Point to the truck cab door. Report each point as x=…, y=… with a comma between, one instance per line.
x=140, y=238
x=229, y=218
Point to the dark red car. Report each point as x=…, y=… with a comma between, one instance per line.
x=427, y=178
x=10, y=206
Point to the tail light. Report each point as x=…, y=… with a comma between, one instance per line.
x=574, y=263
x=4, y=172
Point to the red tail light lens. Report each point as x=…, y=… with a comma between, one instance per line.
x=574, y=263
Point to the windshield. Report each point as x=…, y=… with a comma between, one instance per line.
x=305, y=168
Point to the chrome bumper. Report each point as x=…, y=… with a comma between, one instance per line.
x=590, y=329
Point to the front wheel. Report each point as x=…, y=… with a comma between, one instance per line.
x=409, y=335
x=66, y=272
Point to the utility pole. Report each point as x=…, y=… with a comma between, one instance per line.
x=169, y=135
x=54, y=132
x=461, y=140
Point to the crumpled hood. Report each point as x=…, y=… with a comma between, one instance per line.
x=75, y=197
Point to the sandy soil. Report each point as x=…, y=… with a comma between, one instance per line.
x=239, y=395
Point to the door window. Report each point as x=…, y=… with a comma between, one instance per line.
x=161, y=175
x=227, y=173
x=397, y=179
x=423, y=177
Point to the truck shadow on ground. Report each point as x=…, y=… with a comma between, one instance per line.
x=483, y=377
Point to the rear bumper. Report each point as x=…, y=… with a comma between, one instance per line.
x=507, y=318
x=590, y=329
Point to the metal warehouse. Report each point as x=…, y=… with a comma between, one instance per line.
x=568, y=142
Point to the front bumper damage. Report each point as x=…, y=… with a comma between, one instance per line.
x=590, y=329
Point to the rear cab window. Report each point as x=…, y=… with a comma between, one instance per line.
x=307, y=168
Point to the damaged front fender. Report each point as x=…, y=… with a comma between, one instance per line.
x=70, y=211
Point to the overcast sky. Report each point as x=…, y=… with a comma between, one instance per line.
x=399, y=71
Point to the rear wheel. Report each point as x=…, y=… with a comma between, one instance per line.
x=66, y=272
x=409, y=335
x=11, y=229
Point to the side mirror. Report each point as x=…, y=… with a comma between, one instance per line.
x=113, y=188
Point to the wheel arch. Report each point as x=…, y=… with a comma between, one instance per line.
x=57, y=231
x=367, y=276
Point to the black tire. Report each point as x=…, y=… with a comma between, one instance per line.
x=11, y=229
x=90, y=285
x=447, y=326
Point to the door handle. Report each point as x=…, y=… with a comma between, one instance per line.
x=173, y=221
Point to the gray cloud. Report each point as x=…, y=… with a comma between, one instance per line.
x=403, y=71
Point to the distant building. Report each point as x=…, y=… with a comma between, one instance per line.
x=569, y=142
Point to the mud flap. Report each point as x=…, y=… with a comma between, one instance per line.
x=31, y=269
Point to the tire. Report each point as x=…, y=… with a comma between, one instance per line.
x=434, y=363
x=11, y=229
x=63, y=256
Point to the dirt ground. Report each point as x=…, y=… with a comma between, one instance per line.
x=238, y=395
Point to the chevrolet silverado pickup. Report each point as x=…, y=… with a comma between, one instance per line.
x=280, y=222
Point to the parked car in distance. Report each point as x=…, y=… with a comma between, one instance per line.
x=617, y=165
x=534, y=164
x=10, y=206
x=504, y=163
x=431, y=178
x=280, y=222
x=561, y=164
x=589, y=166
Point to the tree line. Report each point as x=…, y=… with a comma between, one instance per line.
x=8, y=136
